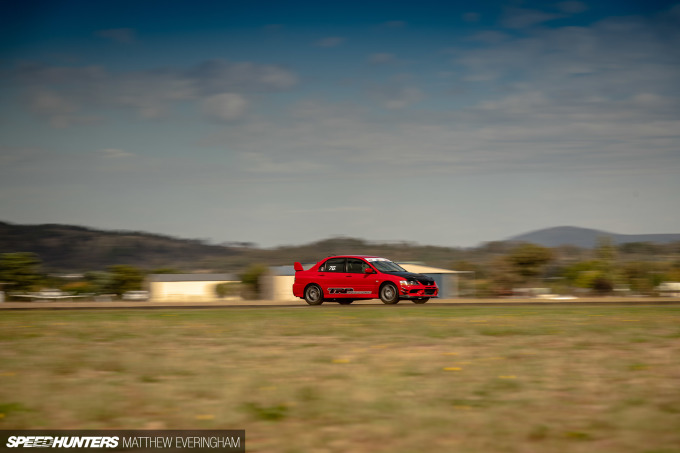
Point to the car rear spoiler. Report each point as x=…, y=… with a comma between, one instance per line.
x=298, y=267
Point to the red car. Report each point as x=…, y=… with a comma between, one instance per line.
x=344, y=279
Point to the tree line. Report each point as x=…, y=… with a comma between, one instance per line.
x=22, y=272
x=607, y=269
x=494, y=269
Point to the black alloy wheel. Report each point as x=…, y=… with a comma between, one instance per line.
x=389, y=294
x=313, y=295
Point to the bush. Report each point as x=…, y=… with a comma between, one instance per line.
x=230, y=289
x=251, y=281
x=602, y=286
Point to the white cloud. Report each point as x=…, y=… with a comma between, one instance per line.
x=572, y=7
x=398, y=93
x=522, y=18
x=532, y=127
x=49, y=103
x=59, y=110
x=219, y=76
x=224, y=107
x=151, y=93
x=613, y=58
x=61, y=94
x=402, y=97
x=578, y=98
x=37, y=74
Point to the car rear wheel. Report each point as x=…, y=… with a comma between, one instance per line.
x=389, y=294
x=422, y=300
x=313, y=295
x=345, y=301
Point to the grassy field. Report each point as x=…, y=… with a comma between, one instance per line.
x=359, y=379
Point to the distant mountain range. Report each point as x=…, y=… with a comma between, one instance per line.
x=76, y=248
x=63, y=248
x=587, y=238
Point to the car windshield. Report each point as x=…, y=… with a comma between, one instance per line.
x=387, y=266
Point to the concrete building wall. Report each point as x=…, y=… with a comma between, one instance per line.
x=278, y=287
x=179, y=288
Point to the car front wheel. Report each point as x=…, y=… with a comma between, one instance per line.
x=389, y=294
x=313, y=295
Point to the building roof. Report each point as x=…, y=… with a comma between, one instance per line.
x=193, y=278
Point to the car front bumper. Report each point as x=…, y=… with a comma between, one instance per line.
x=409, y=292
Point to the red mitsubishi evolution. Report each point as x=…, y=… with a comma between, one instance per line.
x=344, y=279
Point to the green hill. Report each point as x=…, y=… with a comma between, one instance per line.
x=75, y=248
x=68, y=248
x=588, y=238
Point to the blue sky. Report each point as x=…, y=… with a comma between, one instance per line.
x=444, y=123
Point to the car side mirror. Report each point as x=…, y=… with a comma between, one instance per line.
x=369, y=270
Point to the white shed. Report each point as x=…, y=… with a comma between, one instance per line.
x=669, y=289
x=447, y=280
x=186, y=287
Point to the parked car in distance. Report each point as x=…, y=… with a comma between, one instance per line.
x=135, y=295
x=347, y=278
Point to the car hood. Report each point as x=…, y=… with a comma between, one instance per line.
x=422, y=278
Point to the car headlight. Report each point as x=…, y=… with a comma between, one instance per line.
x=408, y=283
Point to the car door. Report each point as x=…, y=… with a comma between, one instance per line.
x=363, y=283
x=333, y=276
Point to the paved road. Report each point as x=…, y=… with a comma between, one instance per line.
x=260, y=304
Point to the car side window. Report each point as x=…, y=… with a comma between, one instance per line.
x=356, y=266
x=334, y=265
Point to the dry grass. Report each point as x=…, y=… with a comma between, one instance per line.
x=487, y=379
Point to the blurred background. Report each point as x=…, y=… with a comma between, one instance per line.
x=444, y=123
